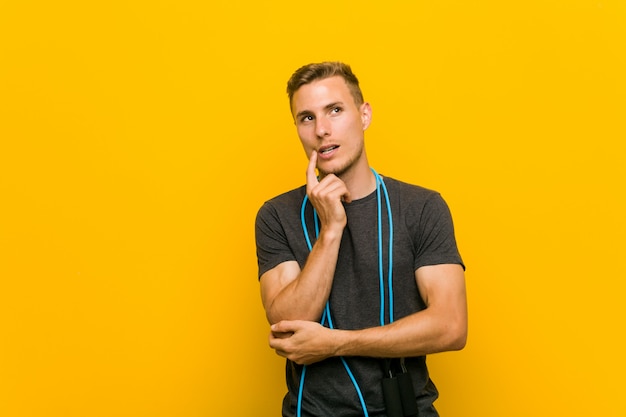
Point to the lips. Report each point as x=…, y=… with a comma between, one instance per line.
x=326, y=150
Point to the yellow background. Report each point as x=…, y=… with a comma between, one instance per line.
x=139, y=138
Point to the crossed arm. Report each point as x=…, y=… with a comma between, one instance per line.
x=442, y=326
x=294, y=298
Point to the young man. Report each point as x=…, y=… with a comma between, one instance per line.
x=360, y=275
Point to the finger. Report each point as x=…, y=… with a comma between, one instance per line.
x=333, y=186
x=337, y=186
x=311, y=176
x=275, y=343
x=284, y=326
x=281, y=335
x=345, y=197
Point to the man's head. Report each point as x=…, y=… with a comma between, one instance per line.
x=330, y=116
x=320, y=71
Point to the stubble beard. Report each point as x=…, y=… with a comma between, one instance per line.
x=345, y=168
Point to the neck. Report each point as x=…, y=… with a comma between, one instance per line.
x=360, y=182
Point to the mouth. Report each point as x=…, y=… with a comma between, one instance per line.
x=328, y=149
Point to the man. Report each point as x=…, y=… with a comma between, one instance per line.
x=360, y=275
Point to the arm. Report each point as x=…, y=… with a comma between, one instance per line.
x=442, y=326
x=289, y=293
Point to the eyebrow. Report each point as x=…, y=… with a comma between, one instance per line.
x=326, y=107
x=302, y=113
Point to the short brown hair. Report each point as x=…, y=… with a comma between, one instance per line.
x=319, y=71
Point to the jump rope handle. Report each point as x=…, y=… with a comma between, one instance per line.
x=398, y=391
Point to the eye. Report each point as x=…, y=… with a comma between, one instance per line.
x=336, y=110
x=306, y=118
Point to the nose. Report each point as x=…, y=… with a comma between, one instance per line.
x=322, y=127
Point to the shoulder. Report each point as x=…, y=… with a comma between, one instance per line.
x=417, y=206
x=412, y=194
x=284, y=202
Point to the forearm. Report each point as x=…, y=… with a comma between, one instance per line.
x=305, y=342
x=305, y=297
x=418, y=334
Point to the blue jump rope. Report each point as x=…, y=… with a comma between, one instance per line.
x=326, y=314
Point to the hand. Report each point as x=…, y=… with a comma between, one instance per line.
x=326, y=196
x=303, y=342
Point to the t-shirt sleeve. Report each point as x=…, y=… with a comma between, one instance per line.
x=434, y=239
x=272, y=246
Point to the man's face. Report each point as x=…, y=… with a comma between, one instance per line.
x=329, y=122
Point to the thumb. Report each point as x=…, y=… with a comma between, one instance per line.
x=284, y=326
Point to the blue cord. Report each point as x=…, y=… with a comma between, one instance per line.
x=390, y=260
x=380, y=252
x=326, y=313
x=304, y=228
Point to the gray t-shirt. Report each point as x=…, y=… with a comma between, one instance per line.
x=423, y=234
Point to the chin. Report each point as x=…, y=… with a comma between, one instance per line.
x=340, y=167
x=337, y=171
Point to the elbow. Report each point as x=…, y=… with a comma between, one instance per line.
x=272, y=313
x=275, y=315
x=457, y=332
x=459, y=341
x=271, y=320
x=456, y=337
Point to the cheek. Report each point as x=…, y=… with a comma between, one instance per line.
x=304, y=133
x=306, y=144
x=354, y=131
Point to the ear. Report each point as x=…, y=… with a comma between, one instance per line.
x=366, y=115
